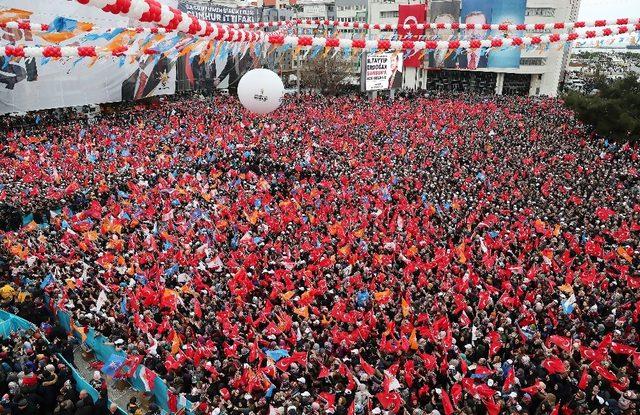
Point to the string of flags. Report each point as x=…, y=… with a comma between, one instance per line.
x=279, y=40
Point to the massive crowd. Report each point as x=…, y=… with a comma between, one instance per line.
x=423, y=256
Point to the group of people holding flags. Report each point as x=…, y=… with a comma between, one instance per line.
x=436, y=255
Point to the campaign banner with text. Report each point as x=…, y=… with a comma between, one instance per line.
x=220, y=14
x=383, y=71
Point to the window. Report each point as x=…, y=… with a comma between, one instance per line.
x=389, y=14
x=541, y=11
x=533, y=61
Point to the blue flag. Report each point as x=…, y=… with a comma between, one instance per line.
x=170, y=271
x=123, y=305
x=276, y=354
x=112, y=364
x=27, y=219
x=48, y=280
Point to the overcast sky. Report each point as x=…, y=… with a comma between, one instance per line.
x=609, y=9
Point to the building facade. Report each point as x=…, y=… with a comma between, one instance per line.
x=539, y=71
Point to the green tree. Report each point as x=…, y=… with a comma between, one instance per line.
x=614, y=111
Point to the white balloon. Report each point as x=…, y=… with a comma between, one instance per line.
x=260, y=91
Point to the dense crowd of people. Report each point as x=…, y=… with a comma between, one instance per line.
x=342, y=256
x=33, y=378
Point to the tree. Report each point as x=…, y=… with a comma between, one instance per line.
x=614, y=111
x=326, y=73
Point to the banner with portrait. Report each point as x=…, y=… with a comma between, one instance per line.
x=409, y=14
x=507, y=12
x=43, y=83
x=443, y=11
x=383, y=71
x=477, y=12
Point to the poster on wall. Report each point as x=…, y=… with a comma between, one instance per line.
x=409, y=14
x=507, y=12
x=443, y=11
x=43, y=83
x=220, y=14
x=383, y=71
x=476, y=12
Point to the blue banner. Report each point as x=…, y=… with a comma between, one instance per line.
x=507, y=12
x=475, y=12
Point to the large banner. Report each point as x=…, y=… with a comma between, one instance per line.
x=43, y=83
x=407, y=15
x=477, y=12
x=219, y=65
x=220, y=14
x=383, y=71
x=444, y=11
x=216, y=65
x=507, y=12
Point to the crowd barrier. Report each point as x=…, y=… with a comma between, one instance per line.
x=10, y=323
x=105, y=352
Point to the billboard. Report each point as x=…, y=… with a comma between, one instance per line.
x=477, y=12
x=444, y=11
x=41, y=83
x=507, y=12
x=407, y=15
x=220, y=14
x=383, y=71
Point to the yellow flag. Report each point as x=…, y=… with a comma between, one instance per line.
x=406, y=308
x=303, y=312
x=175, y=343
x=413, y=341
x=288, y=295
x=380, y=295
x=462, y=258
x=623, y=253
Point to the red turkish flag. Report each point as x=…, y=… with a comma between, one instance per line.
x=411, y=14
x=604, y=213
x=446, y=403
x=584, y=380
x=196, y=308
x=554, y=365
x=620, y=348
x=562, y=342
x=509, y=380
x=370, y=370
x=390, y=401
x=493, y=408
x=495, y=343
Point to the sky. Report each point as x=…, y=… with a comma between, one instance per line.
x=609, y=9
